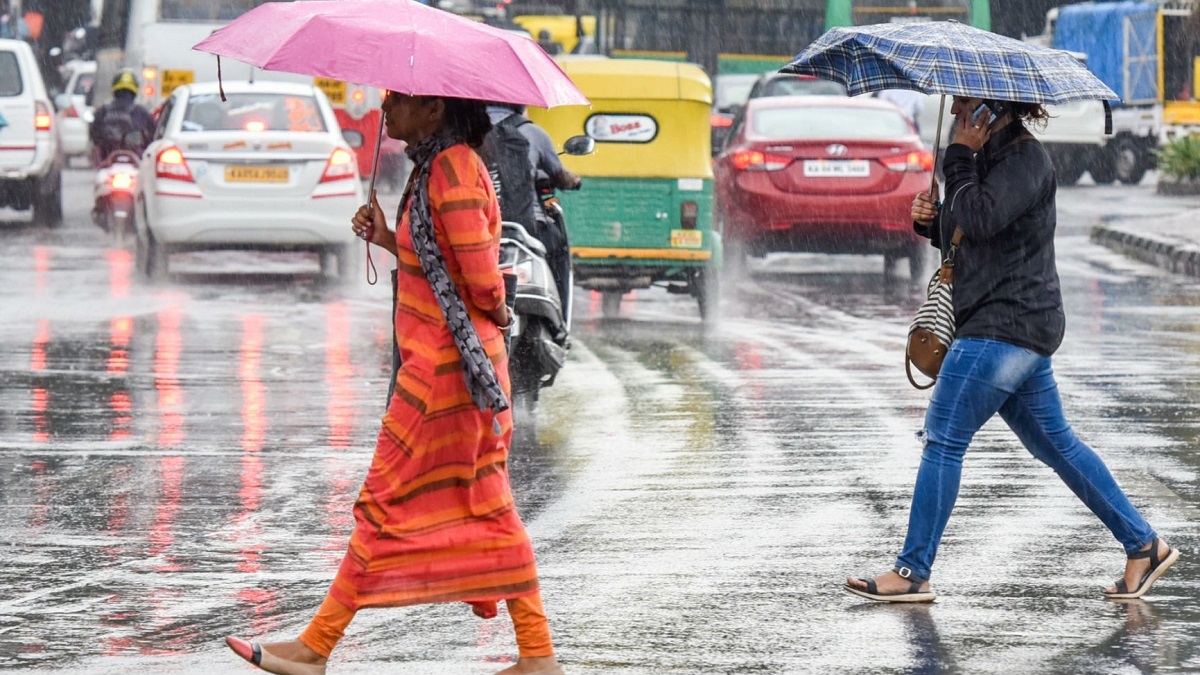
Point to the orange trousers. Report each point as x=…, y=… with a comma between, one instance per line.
x=528, y=617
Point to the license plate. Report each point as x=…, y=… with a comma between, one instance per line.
x=335, y=90
x=256, y=174
x=175, y=78
x=837, y=168
x=687, y=239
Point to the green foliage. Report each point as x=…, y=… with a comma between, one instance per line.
x=1181, y=157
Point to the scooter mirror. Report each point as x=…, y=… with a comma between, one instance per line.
x=579, y=145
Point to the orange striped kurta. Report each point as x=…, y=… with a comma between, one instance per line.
x=435, y=520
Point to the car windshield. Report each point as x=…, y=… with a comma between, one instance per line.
x=829, y=122
x=733, y=89
x=253, y=112
x=797, y=86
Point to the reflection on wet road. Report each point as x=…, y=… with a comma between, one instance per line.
x=178, y=462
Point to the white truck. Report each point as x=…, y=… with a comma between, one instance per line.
x=1122, y=43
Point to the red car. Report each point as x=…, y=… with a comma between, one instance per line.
x=824, y=175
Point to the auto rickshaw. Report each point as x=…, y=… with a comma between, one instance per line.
x=644, y=215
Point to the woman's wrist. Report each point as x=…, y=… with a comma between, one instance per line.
x=505, y=327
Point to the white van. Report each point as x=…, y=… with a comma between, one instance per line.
x=30, y=160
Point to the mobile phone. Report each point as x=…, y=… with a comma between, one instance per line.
x=980, y=108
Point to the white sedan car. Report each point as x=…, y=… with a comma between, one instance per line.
x=267, y=169
x=74, y=112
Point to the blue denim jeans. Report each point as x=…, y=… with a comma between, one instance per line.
x=978, y=379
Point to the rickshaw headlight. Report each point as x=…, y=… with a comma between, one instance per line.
x=689, y=213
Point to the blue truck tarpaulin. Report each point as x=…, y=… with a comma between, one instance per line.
x=1121, y=43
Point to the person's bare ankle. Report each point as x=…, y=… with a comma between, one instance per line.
x=294, y=650
x=526, y=665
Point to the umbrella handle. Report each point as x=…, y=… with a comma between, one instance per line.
x=937, y=142
x=372, y=274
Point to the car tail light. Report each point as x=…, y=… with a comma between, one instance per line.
x=913, y=161
x=70, y=111
x=42, y=117
x=255, y=126
x=339, y=167
x=720, y=121
x=689, y=213
x=170, y=164
x=753, y=160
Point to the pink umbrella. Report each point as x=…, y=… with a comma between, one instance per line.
x=399, y=45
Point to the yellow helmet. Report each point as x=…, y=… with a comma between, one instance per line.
x=125, y=80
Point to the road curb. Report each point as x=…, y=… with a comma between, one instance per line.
x=1171, y=255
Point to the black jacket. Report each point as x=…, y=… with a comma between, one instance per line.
x=1005, y=280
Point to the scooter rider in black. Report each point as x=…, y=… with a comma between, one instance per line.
x=114, y=121
x=546, y=169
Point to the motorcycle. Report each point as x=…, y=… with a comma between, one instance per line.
x=538, y=338
x=113, y=190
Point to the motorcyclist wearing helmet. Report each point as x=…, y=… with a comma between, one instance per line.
x=114, y=122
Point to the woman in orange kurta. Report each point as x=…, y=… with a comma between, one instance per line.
x=435, y=520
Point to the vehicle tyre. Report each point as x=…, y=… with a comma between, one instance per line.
x=610, y=304
x=734, y=263
x=1127, y=161
x=1102, y=169
x=336, y=261
x=707, y=289
x=115, y=227
x=157, y=259
x=526, y=401
x=47, y=207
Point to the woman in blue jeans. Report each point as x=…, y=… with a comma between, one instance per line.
x=1000, y=190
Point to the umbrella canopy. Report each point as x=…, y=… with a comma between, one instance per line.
x=949, y=58
x=399, y=45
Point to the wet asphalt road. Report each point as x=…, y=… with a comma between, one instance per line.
x=178, y=461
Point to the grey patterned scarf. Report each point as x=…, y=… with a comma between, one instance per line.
x=478, y=370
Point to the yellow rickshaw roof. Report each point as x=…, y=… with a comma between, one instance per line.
x=604, y=78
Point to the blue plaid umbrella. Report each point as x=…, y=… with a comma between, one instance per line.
x=949, y=58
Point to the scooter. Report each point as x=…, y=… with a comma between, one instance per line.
x=538, y=338
x=112, y=210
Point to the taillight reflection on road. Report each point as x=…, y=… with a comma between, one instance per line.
x=120, y=264
x=120, y=331
x=338, y=374
x=41, y=267
x=166, y=382
x=254, y=421
x=40, y=397
x=170, y=493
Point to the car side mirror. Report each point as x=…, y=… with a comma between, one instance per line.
x=579, y=145
x=62, y=101
x=354, y=138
